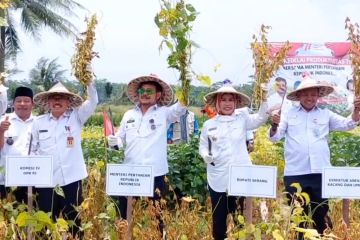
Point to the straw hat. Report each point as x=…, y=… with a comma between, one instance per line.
x=166, y=93
x=241, y=101
x=308, y=83
x=58, y=89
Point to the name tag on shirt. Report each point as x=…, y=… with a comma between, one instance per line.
x=70, y=142
x=130, y=121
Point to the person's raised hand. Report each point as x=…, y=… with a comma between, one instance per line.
x=4, y=125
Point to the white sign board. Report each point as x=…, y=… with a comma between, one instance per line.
x=33, y=170
x=341, y=182
x=129, y=180
x=252, y=181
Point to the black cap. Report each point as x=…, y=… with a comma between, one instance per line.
x=23, y=92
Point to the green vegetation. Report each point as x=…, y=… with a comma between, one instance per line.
x=187, y=170
x=109, y=93
x=35, y=15
x=186, y=217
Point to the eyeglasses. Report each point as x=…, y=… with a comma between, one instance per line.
x=142, y=91
x=58, y=97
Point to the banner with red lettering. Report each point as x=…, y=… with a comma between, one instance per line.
x=327, y=61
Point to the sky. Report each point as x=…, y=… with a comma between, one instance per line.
x=128, y=39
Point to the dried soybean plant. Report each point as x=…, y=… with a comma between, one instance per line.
x=266, y=62
x=2, y=77
x=354, y=53
x=354, y=38
x=3, y=230
x=4, y=4
x=98, y=211
x=81, y=61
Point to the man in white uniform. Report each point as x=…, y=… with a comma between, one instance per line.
x=306, y=128
x=143, y=129
x=58, y=133
x=15, y=129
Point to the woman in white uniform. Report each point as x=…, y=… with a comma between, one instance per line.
x=222, y=143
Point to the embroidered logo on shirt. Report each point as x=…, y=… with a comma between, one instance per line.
x=10, y=141
x=316, y=132
x=152, y=124
x=212, y=133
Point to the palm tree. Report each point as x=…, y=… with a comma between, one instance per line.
x=45, y=74
x=34, y=15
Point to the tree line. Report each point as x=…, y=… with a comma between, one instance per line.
x=36, y=16
x=47, y=72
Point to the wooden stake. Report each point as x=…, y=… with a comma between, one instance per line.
x=30, y=195
x=30, y=208
x=248, y=210
x=129, y=216
x=346, y=212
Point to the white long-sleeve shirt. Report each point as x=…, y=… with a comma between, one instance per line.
x=50, y=137
x=306, y=138
x=3, y=99
x=19, y=131
x=144, y=135
x=228, y=139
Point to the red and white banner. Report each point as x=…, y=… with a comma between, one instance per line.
x=108, y=127
x=327, y=61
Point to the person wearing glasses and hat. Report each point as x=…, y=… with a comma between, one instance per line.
x=222, y=143
x=143, y=129
x=306, y=128
x=58, y=133
x=15, y=129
